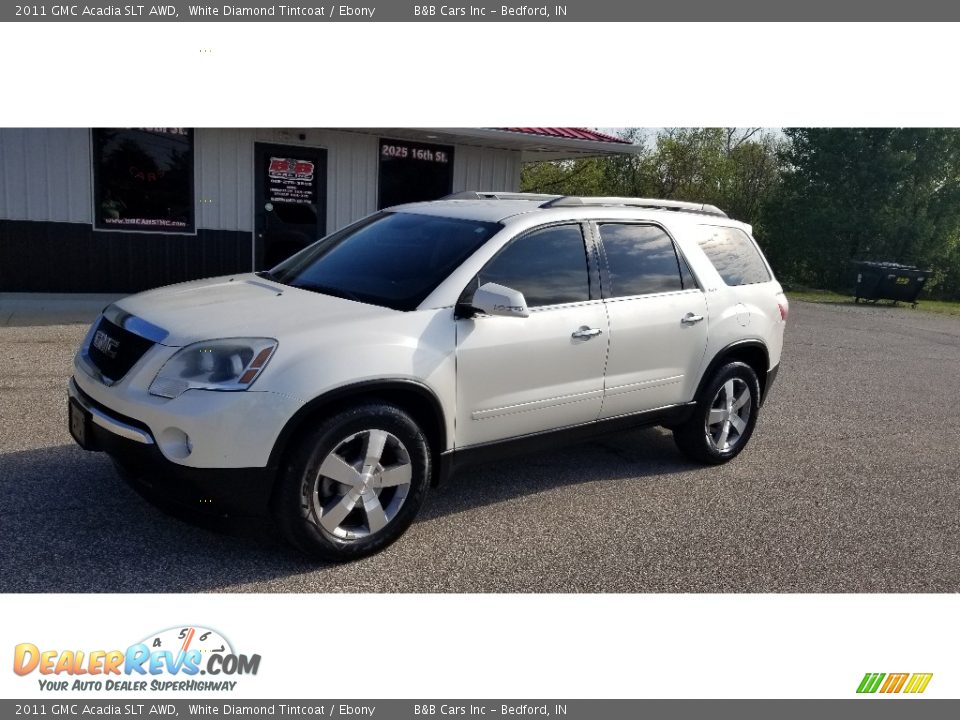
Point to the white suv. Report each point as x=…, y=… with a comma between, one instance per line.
x=333, y=390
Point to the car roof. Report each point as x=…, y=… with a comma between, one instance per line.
x=483, y=210
x=504, y=210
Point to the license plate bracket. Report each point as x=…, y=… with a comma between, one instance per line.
x=79, y=422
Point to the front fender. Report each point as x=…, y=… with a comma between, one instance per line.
x=416, y=347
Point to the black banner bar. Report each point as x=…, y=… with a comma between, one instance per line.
x=593, y=11
x=872, y=708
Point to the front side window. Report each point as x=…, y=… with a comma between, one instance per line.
x=548, y=266
x=143, y=179
x=641, y=260
x=391, y=259
x=734, y=255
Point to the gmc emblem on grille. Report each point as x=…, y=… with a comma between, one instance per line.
x=105, y=344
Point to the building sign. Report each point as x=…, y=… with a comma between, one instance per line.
x=412, y=172
x=143, y=179
x=409, y=151
x=291, y=180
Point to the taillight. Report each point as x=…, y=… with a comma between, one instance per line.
x=783, y=311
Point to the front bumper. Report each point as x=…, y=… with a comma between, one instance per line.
x=233, y=492
x=200, y=428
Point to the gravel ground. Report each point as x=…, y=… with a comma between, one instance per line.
x=850, y=484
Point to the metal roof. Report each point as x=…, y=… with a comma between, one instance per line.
x=537, y=143
x=569, y=133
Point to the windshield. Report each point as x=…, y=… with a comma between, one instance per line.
x=392, y=259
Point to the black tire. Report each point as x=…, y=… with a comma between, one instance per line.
x=692, y=436
x=300, y=493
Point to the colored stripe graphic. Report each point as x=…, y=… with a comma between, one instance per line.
x=870, y=682
x=894, y=682
x=918, y=683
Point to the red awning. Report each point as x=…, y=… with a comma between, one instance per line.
x=569, y=133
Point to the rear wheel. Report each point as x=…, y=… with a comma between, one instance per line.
x=724, y=417
x=353, y=485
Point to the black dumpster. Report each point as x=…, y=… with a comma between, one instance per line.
x=888, y=281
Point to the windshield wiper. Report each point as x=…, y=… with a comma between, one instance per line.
x=267, y=275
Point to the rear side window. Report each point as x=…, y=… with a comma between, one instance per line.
x=641, y=260
x=548, y=266
x=734, y=255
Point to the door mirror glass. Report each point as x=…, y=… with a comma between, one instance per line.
x=494, y=299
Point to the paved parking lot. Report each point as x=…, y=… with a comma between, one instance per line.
x=850, y=484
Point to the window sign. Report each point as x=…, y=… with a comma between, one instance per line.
x=291, y=180
x=413, y=172
x=143, y=179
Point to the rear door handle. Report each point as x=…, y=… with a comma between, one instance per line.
x=585, y=333
x=691, y=319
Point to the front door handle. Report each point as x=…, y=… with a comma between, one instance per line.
x=585, y=333
x=691, y=318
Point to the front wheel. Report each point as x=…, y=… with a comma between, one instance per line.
x=724, y=417
x=354, y=484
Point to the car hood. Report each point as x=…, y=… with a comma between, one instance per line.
x=240, y=306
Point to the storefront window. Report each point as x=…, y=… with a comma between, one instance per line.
x=412, y=172
x=143, y=179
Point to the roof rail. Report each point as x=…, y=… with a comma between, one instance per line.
x=549, y=201
x=677, y=205
x=497, y=195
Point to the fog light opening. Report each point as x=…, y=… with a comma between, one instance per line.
x=175, y=443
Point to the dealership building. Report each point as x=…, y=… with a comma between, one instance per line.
x=125, y=209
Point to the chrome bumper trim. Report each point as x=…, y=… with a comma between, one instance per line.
x=84, y=363
x=108, y=423
x=134, y=324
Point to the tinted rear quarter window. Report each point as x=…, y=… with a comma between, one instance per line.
x=641, y=260
x=734, y=255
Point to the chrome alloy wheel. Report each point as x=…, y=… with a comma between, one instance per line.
x=729, y=415
x=360, y=486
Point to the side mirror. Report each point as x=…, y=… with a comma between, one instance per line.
x=494, y=299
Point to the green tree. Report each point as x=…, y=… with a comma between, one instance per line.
x=563, y=177
x=607, y=175
x=734, y=168
x=889, y=194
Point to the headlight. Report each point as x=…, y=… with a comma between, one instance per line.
x=229, y=364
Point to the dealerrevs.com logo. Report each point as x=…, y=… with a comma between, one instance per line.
x=178, y=659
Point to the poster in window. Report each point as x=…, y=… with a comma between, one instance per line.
x=291, y=180
x=143, y=179
x=413, y=172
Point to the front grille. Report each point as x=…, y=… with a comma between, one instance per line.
x=114, y=350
